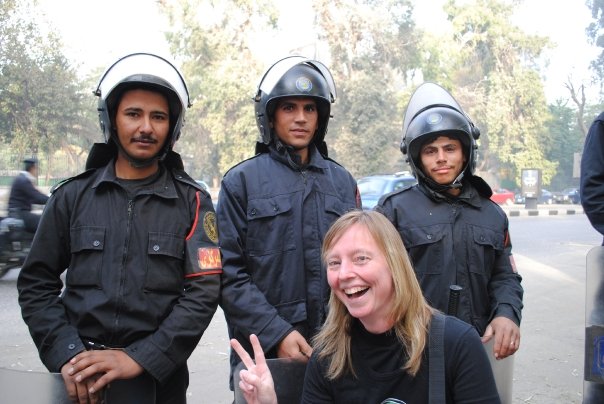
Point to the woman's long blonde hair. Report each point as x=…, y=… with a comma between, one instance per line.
x=410, y=312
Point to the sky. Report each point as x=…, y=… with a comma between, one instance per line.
x=96, y=33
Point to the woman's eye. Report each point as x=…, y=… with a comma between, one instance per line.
x=362, y=259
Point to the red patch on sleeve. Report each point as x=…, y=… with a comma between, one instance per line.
x=513, y=262
x=209, y=258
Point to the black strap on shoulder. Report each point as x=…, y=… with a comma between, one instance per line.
x=436, y=360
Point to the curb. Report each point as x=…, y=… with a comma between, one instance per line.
x=514, y=212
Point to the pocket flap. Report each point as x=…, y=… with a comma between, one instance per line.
x=87, y=238
x=168, y=244
x=260, y=208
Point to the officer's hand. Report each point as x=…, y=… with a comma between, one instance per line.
x=506, y=334
x=78, y=391
x=110, y=364
x=256, y=382
x=294, y=346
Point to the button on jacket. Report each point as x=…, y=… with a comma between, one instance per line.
x=462, y=241
x=272, y=220
x=142, y=271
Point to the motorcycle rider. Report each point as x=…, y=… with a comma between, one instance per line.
x=24, y=194
x=137, y=238
x=274, y=209
x=455, y=235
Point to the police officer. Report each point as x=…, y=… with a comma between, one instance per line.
x=455, y=235
x=274, y=209
x=592, y=174
x=138, y=238
x=24, y=194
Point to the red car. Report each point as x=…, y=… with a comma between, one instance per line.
x=503, y=196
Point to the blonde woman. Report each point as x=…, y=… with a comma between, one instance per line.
x=374, y=345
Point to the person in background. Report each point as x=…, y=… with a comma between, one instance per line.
x=379, y=342
x=457, y=238
x=24, y=194
x=137, y=239
x=592, y=175
x=274, y=209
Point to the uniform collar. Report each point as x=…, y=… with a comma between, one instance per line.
x=287, y=156
x=468, y=195
x=163, y=186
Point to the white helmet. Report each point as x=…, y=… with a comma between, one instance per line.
x=147, y=71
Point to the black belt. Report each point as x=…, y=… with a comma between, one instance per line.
x=97, y=346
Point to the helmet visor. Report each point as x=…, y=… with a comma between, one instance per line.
x=278, y=70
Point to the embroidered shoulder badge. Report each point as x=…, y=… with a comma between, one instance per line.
x=209, y=226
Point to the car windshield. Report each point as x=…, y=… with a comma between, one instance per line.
x=371, y=186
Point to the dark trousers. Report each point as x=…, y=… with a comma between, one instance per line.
x=146, y=390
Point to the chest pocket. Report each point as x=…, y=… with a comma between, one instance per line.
x=87, y=245
x=165, y=255
x=426, y=247
x=271, y=224
x=334, y=208
x=487, y=244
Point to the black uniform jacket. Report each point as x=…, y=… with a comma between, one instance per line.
x=592, y=174
x=272, y=220
x=143, y=272
x=459, y=241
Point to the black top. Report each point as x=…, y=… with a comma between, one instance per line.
x=142, y=269
x=378, y=359
x=592, y=174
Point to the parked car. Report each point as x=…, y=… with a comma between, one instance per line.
x=203, y=184
x=568, y=195
x=503, y=196
x=374, y=186
x=546, y=198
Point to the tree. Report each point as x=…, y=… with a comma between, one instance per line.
x=213, y=42
x=595, y=33
x=372, y=45
x=494, y=74
x=566, y=139
x=40, y=100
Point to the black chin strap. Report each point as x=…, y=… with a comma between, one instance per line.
x=290, y=154
x=435, y=186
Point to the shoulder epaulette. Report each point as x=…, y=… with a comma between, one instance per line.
x=65, y=181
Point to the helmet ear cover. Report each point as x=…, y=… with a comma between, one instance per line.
x=435, y=121
x=175, y=107
x=142, y=71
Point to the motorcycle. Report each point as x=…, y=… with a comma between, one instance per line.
x=15, y=243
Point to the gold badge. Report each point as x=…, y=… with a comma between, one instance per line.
x=209, y=226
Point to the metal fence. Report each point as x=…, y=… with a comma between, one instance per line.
x=52, y=168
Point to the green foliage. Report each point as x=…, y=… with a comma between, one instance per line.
x=41, y=103
x=565, y=139
x=595, y=34
x=373, y=44
x=377, y=56
x=212, y=39
x=492, y=72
